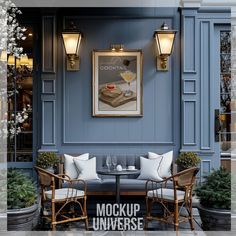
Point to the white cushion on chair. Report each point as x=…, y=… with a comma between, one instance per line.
x=64, y=193
x=166, y=194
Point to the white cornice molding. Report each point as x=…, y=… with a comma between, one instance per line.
x=225, y=3
x=97, y=3
x=233, y=15
x=124, y=3
x=191, y=3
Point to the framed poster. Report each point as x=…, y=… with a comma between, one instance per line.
x=117, y=83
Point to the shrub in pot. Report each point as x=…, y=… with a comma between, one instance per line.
x=187, y=160
x=21, y=201
x=47, y=160
x=215, y=201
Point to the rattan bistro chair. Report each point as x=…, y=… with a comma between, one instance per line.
x=179, y=197
x=66, y=204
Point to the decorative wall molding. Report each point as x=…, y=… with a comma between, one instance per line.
x=189, y=87
x=205, y=96
x=189, y=45
x=48, y=78
x=191, y=3
x=205, y=168
x=124, y=3
x=48, y=44
x=189, y=122
x=97, y=3
x=48, y=117
x=48, y=86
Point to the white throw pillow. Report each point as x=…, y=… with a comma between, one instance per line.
x=165, y=167
x=87, y=169
x=69, y=164
x=148, y=169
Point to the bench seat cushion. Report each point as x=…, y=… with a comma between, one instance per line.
x=109, y=185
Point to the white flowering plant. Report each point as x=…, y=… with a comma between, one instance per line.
x=15, y=122
x=11, y=33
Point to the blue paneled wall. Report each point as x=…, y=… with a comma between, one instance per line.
x=178, y=107
x=200, y=82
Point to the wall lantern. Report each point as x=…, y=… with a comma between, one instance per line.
x=71, y=40
x=165, y=40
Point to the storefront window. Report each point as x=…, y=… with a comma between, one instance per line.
x=226, y=90
x=20, y=101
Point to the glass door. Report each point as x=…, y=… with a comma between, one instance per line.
x=227, y=106
x=20, y=105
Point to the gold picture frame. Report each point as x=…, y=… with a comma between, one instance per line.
x=117, y=83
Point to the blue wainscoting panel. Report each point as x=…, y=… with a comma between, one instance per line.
x=189, y=86
x=189, y=44
x=205, y=85
x=48, y=86
x=48, y=123
x=48, y=43
x=49, y=83
x=189, y=123
x=205, y=168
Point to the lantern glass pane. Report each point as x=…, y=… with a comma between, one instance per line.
x=165, y=43
x=71, y=42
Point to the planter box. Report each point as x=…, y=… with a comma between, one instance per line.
x=22, y=219
x=215, y=219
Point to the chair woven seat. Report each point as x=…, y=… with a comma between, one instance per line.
x=64, y=193
x=166, y=194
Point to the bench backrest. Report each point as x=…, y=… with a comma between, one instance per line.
x=123, y=160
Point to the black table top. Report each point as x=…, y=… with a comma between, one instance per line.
x=115, y=172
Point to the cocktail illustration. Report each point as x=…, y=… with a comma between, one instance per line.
x=128, y=77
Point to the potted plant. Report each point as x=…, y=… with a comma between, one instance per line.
x=187, y=160
x=215, y=201
x=47, y=161
x=21, y=201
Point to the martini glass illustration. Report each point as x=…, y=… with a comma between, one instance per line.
x=128, y=77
